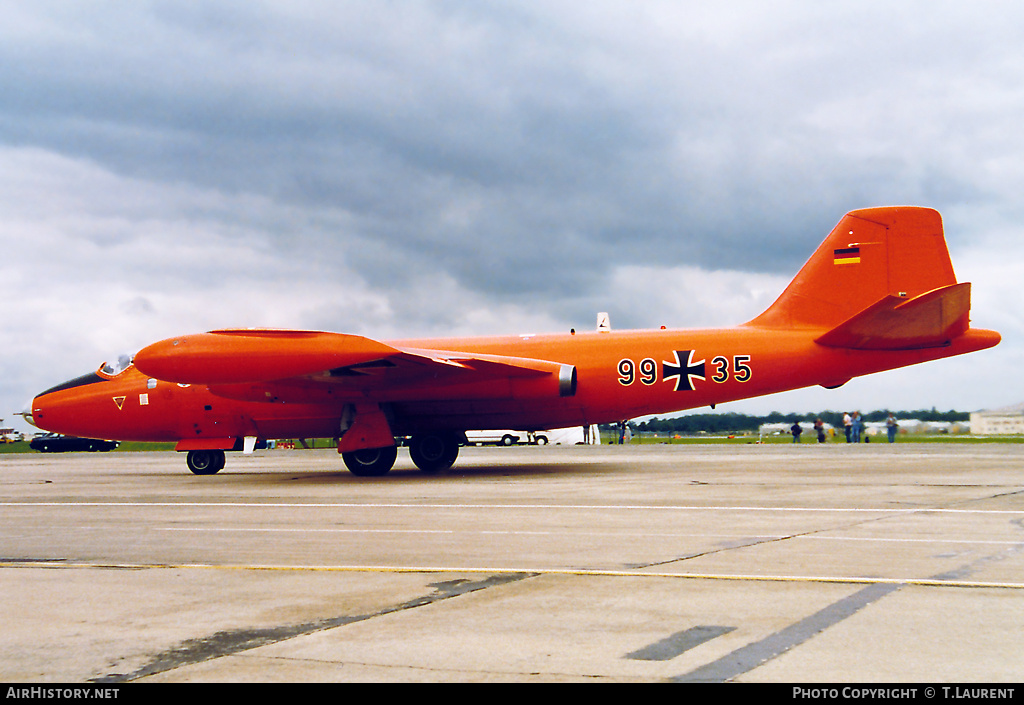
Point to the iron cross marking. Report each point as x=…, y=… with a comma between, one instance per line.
x=684, y=372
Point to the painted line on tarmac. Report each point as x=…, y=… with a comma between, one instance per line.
x=617, y=534
x=581, y=507
x=492, y=570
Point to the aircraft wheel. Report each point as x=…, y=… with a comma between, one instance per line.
x=434, y=452
x=205, y=462
x=371, y=462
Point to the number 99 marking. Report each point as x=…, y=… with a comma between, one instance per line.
x=648, y=371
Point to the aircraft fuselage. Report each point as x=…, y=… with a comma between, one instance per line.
x=619, y=375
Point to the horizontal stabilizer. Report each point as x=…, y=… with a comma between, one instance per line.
x=932, y=319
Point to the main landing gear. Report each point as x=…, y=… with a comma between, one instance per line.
x=431, y=452
x=434, y=452
x=205, y=462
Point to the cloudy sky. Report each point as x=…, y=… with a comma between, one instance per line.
x=451, y=167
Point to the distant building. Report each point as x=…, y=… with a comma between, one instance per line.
x=998, y=422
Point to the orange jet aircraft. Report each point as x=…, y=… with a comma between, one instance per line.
x=878, y=294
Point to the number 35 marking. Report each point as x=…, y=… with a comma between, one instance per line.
x=741, y=371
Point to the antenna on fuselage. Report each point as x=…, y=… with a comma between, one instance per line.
x=604, y=323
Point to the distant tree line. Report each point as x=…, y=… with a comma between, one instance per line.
x=738, y=423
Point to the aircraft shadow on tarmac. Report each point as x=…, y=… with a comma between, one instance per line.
x=402, y=474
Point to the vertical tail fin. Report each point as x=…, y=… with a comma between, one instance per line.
x=875, y=254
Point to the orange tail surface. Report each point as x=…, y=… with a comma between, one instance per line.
x=881, y=280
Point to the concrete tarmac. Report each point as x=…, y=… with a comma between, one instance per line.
x=751, y=563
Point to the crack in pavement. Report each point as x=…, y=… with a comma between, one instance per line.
x=226, y=643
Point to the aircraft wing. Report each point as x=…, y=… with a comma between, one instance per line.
x=235, y=356
x=308, y=366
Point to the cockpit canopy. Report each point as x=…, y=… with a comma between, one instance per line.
x=113, y=369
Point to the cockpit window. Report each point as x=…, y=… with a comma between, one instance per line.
x=113, y=369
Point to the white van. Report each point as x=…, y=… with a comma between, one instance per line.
x=559, y=436
x=501, y=437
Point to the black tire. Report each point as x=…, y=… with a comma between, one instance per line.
x=371, y=462
x=507, y=440
x=434, y=452
x=205, y=462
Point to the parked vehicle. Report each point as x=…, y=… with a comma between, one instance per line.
x=56, y=443
x=9, y=435
x=575, y=435
x=502, y=437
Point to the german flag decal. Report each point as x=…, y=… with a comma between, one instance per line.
x=847, y=255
